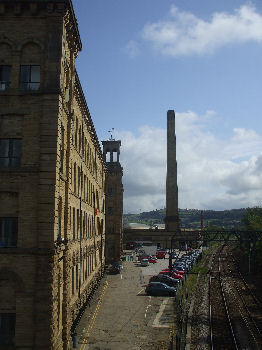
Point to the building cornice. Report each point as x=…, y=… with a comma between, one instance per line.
x=80, y=97
x=59, y=6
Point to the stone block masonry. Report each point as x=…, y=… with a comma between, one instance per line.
x=52, y=178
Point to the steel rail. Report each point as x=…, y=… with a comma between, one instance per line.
x=246, y=308
x=257, y=301
x=247, y=319
x=226, y=307
x=216, y=257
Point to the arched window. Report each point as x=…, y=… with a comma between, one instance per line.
x=80, y=139
x=10, y=285
x=74, y=224
x=73, y=280
x=78, y=181
x=30, y=67
x=76, y=131
x=84, y=225
x=59, y=228
x=74, y=181
x=5, y=66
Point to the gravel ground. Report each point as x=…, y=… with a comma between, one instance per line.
x=200, y=317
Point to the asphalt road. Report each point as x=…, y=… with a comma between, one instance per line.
x=124, y=317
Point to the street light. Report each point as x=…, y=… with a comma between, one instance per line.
x=171, y=254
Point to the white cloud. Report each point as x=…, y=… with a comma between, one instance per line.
x=183, y=33
x=132, y=49
x=213, y=173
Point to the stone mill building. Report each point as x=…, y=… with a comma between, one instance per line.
x=52, y=178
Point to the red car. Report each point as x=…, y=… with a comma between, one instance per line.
x=175, y=271
x=179, y=272
x=161, y=254
x=143, y=257
x=152, y=260
x=173, y=274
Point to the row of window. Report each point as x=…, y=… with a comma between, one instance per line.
x=80, y=275
x=88, y=224
x=29, y=77
x=82, y=185
x=9, y=228
x=82, y=146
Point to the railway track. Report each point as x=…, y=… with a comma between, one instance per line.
x=233, y=321
x=221, y=331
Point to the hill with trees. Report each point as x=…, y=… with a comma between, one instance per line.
x=191, y=218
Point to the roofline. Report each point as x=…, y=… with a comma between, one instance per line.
x=68, y=3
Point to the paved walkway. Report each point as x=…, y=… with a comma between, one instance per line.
x=123, y=317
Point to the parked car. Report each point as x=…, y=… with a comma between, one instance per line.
x=174, y=270
x=171, y=282
x=172, y=274
x=143, y=256
x=152, y=260
x=115, y=268
x=161, y=254
x=144, y=262
x=159, y=288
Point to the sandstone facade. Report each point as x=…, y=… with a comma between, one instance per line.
x=52, y=178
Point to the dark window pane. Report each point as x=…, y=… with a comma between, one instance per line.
x=8, y=232
x=5, y=77
x=35, y=74
x=24, y=74
x=4, y=162
x=7, y=329
x=16, y=151
x=29, y=78
x=4, y=148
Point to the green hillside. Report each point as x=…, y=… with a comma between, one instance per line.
x=191, y=218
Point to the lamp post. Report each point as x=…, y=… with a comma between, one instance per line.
x=171, y=254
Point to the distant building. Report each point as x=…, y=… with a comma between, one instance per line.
x=114, y=200
x=52, y=178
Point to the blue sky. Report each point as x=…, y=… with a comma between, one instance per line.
x=202, y=59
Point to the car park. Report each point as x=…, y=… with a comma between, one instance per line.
x=160, y=289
